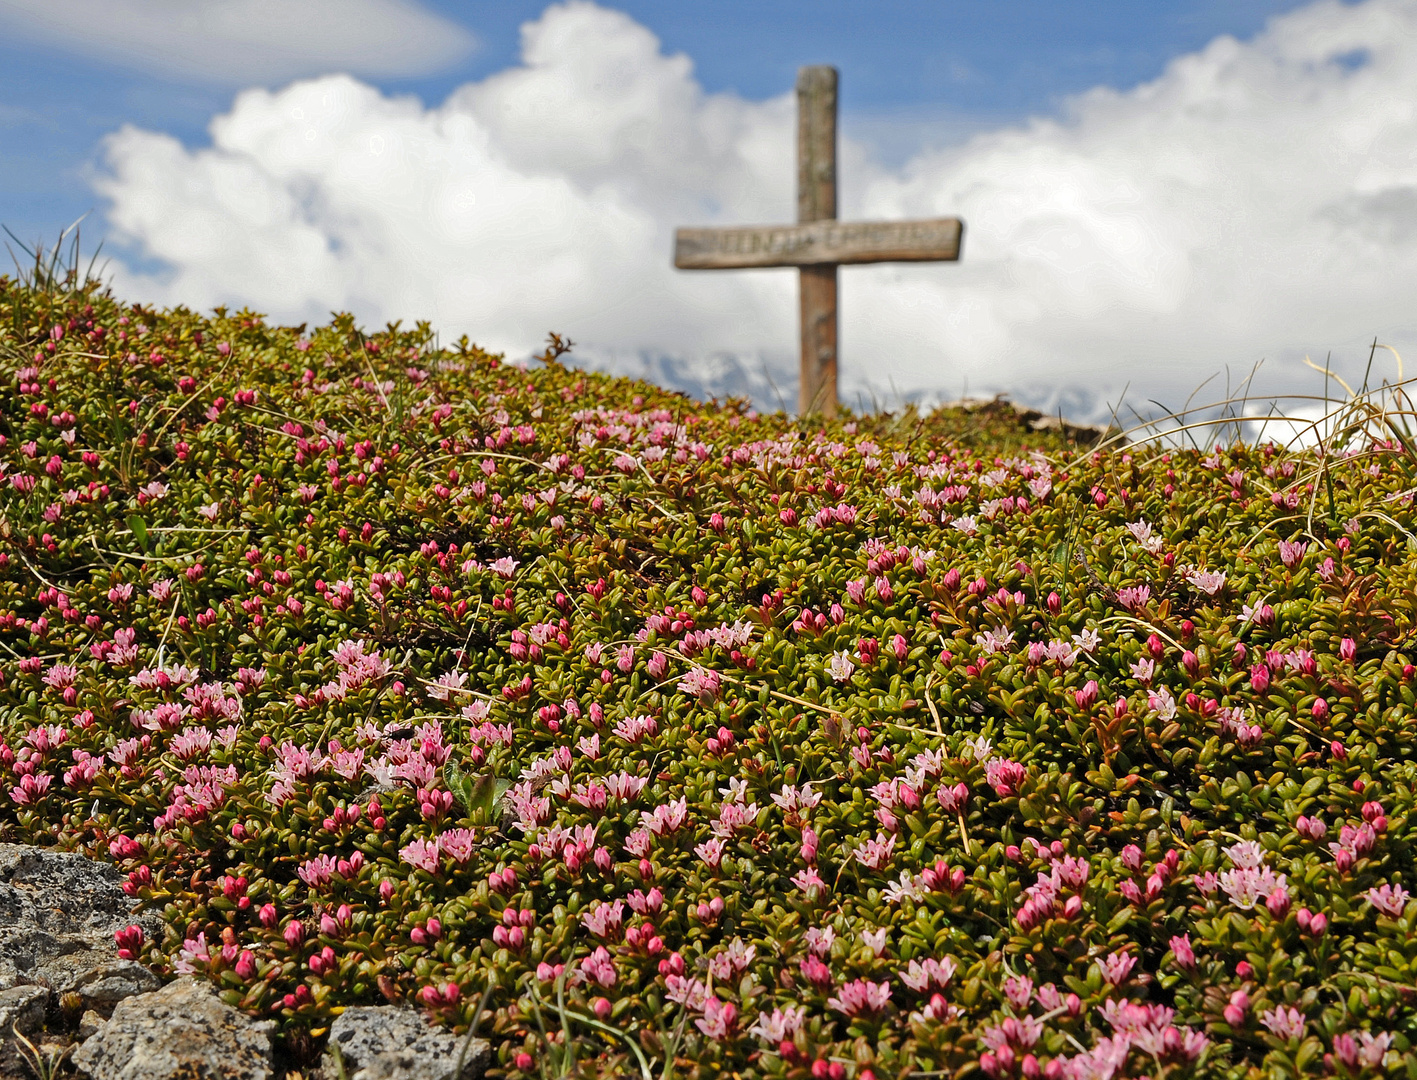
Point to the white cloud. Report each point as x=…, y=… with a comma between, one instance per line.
x=240, y=42
x=1257, y=200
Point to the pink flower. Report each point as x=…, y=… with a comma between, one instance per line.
x=875, y=853
x=807, y=880
x=459, y=844
x=1004, y=776
x=191, y=742
x=861, y=996
x=1290, y=553
x=665, y=819
x=1019, y=991
x=711, y=852
x=701, y=683
x=31, y=789
x=1367, y=1049
x=604, y=919
x=1116, y=967
x=718, y=1019
x=921, y=975
x=1134, y=598
x=952, y=799
x=688, y=992
x=1389, y=899
x=598, y=967
x=60, y=676
x=780, y=1025
x=446, y=684
x=1286, y=1022
x=318, y=871
x=421, y=854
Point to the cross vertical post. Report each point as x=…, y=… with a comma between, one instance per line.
x=818, y=243
x=816, y=201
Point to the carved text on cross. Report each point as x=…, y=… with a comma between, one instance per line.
x=820, y=243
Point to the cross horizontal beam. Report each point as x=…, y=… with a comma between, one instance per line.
x=818, y=243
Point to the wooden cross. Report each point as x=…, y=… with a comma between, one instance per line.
x=819, y=244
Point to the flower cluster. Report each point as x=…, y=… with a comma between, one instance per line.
x=856, y=749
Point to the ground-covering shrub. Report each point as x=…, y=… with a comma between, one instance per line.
x=681, y=739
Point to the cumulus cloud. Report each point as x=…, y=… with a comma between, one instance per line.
x=240, y=42
x=1258, y=199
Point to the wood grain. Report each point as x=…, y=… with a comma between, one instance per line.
x=818, y=243
x=816, y=143
x=816, y=387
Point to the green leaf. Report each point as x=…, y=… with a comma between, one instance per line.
x=139, y=528
x=475, y=793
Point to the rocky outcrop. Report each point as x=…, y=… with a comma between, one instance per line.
x=181, y=1032
x=385, y=1042
x=58, y=914
x=22, y=1009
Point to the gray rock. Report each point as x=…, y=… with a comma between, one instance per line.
x=90, y=1024
x=22, y=1009
x=99, y=985
x=58, y=914
x=386, y=1042
x=181, y=1032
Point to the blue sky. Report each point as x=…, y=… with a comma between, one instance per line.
x=1154, y=193
x=913, y=73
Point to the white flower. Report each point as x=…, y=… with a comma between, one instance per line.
x=1162, y=703
x=966, y=525
x=979, y=747
x=1141, y=530
x=1088, y=640
x=1208, y=582
x=840, y=667
x=992, y=641
x=447, y=683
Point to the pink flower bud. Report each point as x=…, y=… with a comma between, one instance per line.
x=245, y=966
x=1259, y=678
x=1185, y=955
